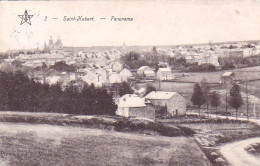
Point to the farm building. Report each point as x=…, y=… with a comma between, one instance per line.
x=145, y=71
x=174, y=102
x=131, y=105
x=228, y=78
x=164, y=74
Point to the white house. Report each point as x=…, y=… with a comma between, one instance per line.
x=114, y=78
x=145, y=71
x=92, y=78
x=117, y=67
x=164, y=74
x=174, y=102
x=53, y=79
x=131, y=105
x=211, y=59
x=125, y=74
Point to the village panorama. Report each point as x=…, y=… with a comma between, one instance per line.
x=193, y=104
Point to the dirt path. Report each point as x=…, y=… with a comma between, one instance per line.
x=236, y=154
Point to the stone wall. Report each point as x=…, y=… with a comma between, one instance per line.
x=143, y=112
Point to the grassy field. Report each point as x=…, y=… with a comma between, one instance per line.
x=42, y=145
x=214, y=77
x=182, y=88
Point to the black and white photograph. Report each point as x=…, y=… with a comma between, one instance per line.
x=130, y=83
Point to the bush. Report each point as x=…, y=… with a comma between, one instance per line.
x=202, y=68
x=228, y=65
x=127, y=125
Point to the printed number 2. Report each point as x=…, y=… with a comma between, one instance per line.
x=45, y=19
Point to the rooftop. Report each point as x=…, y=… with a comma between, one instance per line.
x=228, y=74
x=160, y=95
x=165, y=69
x=131, y=100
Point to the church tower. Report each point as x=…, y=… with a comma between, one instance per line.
x=51, y=42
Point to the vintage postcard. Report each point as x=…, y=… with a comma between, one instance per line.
x=130, y=83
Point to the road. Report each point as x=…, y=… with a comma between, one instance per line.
x=235, y=152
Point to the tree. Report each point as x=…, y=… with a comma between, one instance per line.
x=149, y=88
x=17, y=64
x=197, y=97
x=206, y=91
x=235, y=99
x=215, y=100
x=155, y=50
x=44, y=66
x=125, y=88
x=62, y=66
x=131, y=59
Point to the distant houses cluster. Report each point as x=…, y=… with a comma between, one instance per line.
x=161, y=74
x=209, y=53
x=104, y=68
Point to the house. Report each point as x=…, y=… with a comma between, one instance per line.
x=189, y=59
x=114, y=78
x=145, y=71
x=64, y=78
x=53, y=79
x=102, y=75
x=117, y=67
x=228, y=78
x=233, y=54
x=163, y=64
x=131, y=105
x=125, y=74
x=164, y=74
x=173, y=101
x=211, y=59
x=98, y=78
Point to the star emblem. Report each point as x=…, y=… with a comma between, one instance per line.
x=26, y=18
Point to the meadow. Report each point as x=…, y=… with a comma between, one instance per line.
x=26, y=144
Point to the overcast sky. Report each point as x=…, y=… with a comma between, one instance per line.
x=154, y=23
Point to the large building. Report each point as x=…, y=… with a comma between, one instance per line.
x=173, y=101
x=54, y=47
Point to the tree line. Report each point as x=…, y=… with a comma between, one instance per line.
x=19, y=93
x=202, y=95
